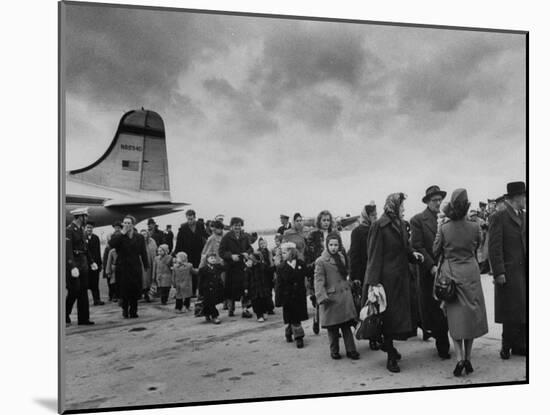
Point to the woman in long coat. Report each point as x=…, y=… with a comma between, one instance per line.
x=333, y=291
x=389, y=254
x=291, y=293
x=130, y=248
x=457, y=240
x=234, y=250
x=151, y=247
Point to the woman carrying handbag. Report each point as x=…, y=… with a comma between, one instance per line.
x=457, y=241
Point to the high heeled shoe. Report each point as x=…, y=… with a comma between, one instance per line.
x=468, y=367
x=459, y=368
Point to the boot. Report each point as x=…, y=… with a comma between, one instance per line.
x=392, y=365
x=300, y=342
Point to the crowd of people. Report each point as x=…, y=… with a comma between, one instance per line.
x=389, y=260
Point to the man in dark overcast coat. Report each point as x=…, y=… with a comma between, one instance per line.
x=508, y=258
x=424, y=228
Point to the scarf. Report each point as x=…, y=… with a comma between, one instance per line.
x=340, y=264
x=342, y=267
x=364, y=218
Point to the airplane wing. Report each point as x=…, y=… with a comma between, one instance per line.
x=348, y=220
x=123, y=203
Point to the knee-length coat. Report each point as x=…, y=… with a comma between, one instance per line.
x=333, y=292
x=182, y=280
x=358, y=252
x=235, y=270
x=256, y=283
x=162, y=272
x=291, y=292
x=131, y=254
x=151, y=248
x=389, y=254
x=423, y=232
x=508, y=256
x=211, y=284
x=457, y=241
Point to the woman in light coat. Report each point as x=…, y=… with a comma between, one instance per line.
x=151, y=248
x=457, y=240
x=333, y=291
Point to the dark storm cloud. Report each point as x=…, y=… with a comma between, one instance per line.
x=133, y=57
x=303, y=55
x=244, y=117
x=452, y=73
x=319, y=111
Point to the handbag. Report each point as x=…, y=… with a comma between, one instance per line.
x=371, y=326
x=444, y=287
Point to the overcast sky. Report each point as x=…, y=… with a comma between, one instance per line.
x=269, y=116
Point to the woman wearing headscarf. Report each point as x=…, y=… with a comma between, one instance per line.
x=457, y=240
x=333, y=291
x=389, y=254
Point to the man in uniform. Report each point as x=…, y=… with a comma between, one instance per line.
x=508, y=257
x=78, y=259
x=424, y=228
x=94, y=250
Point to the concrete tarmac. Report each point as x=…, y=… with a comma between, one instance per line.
x=164, y=357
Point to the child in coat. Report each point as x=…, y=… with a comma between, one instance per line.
x=255, y=285
x=182, y=281
x=110, y=269
x=269, y=271
x=162, y=273
x=211, y=287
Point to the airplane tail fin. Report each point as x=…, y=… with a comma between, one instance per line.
x=136, y=158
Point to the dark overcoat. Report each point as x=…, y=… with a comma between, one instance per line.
x=256, y=283
x=423, y=232
x=191, y=242
x=211, y=284
x=94, y=249
x=235, y=271
x=389, y=254
x=508, y=256
x=291, y=292
x=131, y=253
x=358, y=252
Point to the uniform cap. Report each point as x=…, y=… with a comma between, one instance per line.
x=79, y=211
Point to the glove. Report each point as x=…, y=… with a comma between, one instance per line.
x=75, y=273
x=93, y=266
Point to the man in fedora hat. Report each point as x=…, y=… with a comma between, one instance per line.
x=508, y=257
x=423, y=231
x=78, y=261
